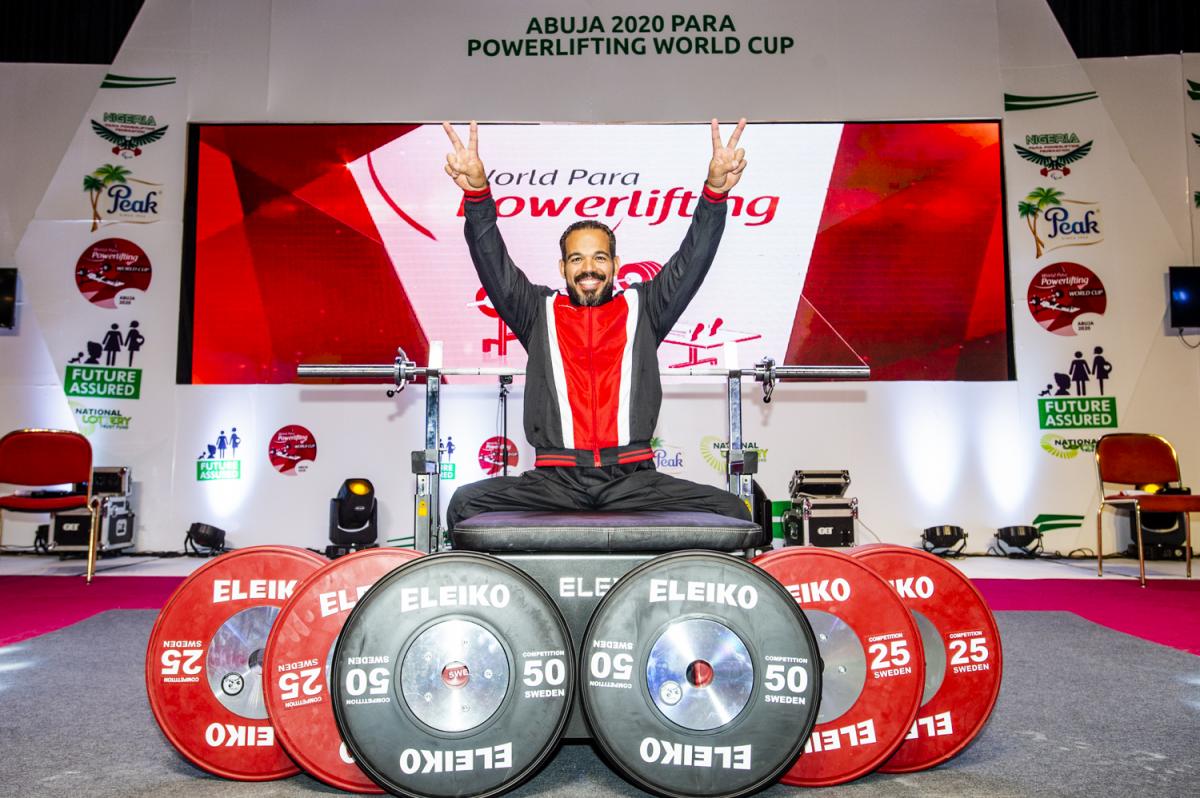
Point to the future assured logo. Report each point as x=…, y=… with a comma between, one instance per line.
x=112, y=272
x=87, y=376
x=1066, y=299
x=1059, y=409
x=1053, y=152
x=218, y=460
x=117, y=196
x=128, y=133
x=1068, y=223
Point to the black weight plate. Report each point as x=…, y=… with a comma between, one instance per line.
x=700, y=676
x=453, y=676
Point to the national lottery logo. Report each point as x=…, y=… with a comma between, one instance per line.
x=1067, y=448
x=291, y=449
x=714, y=451
x=90, y=418
x=112, y=273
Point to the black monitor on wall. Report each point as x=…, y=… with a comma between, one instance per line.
x=8, y=298
x=1184, y=287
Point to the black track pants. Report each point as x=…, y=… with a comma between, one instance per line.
x=626, y=488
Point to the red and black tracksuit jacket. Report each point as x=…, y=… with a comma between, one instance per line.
x=592, y=388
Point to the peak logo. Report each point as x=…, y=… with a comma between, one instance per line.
x=1066, y=222
x=1067, y=448
x=116, y=196
x=667, y=458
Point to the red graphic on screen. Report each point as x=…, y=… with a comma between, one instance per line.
x=706, y=339
x=634, y=273
x=494, y=451
x=289, y=266
x=907, y=269
x=109, y=271
x=291, y=449
x=503, y=334
x=1065, y=298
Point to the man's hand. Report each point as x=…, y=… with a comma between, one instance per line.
x=728, y=161
x=463, y=165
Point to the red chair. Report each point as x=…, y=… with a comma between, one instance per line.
x=38, y=458
x=1141, y=460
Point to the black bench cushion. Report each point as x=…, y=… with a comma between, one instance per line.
x=605, y=532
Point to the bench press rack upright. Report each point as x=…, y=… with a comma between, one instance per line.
x=740, y=463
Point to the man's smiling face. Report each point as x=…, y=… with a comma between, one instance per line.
x=589, y=266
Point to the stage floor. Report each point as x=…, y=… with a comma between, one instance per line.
x=1083, y=711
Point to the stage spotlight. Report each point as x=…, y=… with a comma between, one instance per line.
x=353, y=518
x=942, y=540
x=204, y=540
x=1019, y=541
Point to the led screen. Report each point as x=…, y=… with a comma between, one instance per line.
x=845, y=243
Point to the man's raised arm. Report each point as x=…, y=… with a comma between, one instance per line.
x=510, y=292
x=673, y=288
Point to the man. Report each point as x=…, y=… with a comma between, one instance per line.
x=592, y=388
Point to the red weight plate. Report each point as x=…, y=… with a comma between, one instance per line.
x=963, y=659
x=873, y=670
x=296, y=664
x=204, y=661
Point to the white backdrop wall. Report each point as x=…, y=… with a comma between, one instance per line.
x=974, y=454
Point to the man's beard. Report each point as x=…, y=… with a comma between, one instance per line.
x=599, y=297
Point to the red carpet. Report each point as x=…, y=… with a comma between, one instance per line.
x=34, y=605
x=1166, y=611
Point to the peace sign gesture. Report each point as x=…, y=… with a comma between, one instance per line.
x=463, y=165
x=728, y=160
